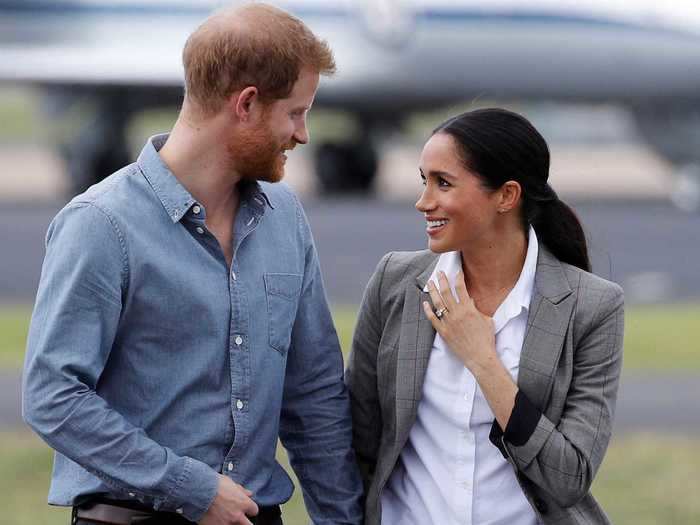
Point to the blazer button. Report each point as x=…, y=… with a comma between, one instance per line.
x=541, y=505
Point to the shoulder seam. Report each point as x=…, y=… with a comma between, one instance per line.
x=120, y=238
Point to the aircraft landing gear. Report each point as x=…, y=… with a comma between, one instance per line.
x=346, y=167
x=98, y=150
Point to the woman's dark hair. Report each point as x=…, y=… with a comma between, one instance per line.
x=499, y=145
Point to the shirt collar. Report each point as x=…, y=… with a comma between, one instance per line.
x=175, y=198
x=520, y=295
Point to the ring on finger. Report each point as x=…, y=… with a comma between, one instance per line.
x=440, y=312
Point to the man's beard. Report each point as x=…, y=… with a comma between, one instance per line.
x=258, y=156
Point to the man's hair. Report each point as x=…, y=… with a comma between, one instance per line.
x=253, y=45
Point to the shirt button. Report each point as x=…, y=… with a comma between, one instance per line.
x=233, y=275
x=229, y=466
x=179, y=511
x=239, y=404
x=132, y=495
x=238, y=340
x=200, y=230
x=196, y=209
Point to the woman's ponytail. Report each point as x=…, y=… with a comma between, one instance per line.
x=557, y=226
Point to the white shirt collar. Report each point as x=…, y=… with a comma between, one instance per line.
x=520, y=295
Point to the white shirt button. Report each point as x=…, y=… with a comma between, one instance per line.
x=233, y=275
x=238, y=340
x=196, y=209
x=200, y=230
x=239, y=404
x=132, y=495
x=179, y=511
x=229, y=466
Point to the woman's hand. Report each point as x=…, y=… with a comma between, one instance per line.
x=468, y=333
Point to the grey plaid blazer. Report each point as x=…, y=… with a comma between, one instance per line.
x=569, y=369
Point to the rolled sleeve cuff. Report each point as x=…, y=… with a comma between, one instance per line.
x=523, y=421
x=195, y=490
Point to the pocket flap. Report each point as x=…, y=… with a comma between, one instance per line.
x=286, y=285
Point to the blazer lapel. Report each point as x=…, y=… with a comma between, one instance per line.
x=548, y=320
x=416, y=341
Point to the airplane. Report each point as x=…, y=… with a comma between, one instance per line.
x=115, y=58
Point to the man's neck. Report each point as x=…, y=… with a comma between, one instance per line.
x=196, y=155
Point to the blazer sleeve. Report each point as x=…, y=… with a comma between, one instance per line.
x=563, y=459
x=361, y=376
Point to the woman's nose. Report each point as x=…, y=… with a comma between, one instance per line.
x=424, y=202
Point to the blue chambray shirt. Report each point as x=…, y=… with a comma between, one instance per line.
x=151, y=366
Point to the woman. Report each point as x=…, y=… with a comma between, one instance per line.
x=484, y=372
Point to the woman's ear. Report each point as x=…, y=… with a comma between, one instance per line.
x=510, y=194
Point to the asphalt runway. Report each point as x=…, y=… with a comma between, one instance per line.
x=649, y=247
x=663, y=403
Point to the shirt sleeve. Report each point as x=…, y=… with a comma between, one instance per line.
x=315, y=424
x=75, y=321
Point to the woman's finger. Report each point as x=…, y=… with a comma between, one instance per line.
x=435, y=296
x=446, y=291
x=461, y=288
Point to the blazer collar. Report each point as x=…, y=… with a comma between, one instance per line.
x=547, y=329
x=550, y=280
x=422, y=279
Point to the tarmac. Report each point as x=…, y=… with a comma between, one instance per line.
x=612, y=177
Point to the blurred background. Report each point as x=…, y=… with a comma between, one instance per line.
x=613, y=86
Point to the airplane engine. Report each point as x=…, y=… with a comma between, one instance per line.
x=346, y=167
x=674, y=132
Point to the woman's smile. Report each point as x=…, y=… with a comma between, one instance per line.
x=435, y=226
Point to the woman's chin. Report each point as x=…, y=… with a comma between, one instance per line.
x=437, y=246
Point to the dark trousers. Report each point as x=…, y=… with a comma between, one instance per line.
x=267, y=516
x=277, y=521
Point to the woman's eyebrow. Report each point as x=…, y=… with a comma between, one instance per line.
x=438, y=173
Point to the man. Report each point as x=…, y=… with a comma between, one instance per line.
x=181, y=323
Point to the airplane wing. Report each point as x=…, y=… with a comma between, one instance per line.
x=423, y=54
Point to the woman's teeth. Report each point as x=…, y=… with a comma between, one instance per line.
x=435, y=224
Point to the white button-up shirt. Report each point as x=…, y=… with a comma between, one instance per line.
x=449, y=472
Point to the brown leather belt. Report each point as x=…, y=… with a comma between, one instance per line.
x=118, y=515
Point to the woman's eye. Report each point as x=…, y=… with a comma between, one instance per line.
x=423, y=181
x=442, y=182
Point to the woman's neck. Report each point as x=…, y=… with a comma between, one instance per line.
x=492, y=268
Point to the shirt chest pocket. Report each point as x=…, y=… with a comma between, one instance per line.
x=282, y=291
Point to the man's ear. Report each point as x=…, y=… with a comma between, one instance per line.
x=510, y=195
x=242, y=102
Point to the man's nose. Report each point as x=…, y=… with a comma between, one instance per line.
x=301, y=135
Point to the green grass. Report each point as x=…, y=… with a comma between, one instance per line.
x=18, y=114
x=14, y=323
x=662, y=338
x=650, y=480
x=645, y=480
